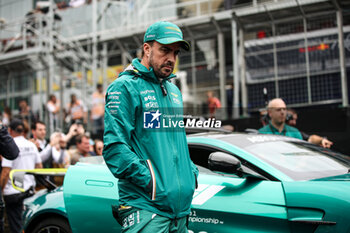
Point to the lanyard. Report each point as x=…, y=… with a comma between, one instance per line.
x=283, y=131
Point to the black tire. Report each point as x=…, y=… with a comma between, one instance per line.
x=52, y=225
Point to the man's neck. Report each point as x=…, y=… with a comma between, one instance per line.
x=144, y=63
x=82, y=153
x=279, y=127
x=14, y=135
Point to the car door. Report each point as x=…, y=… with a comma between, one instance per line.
x=227, y=203
x=88, y=198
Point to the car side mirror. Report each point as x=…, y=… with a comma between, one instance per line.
x=223, y=162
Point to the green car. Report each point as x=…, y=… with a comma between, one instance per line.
x=247, y=183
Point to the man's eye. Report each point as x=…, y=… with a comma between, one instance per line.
x=164, y=49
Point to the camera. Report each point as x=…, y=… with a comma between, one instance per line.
x=289, y=117
x=78, y=122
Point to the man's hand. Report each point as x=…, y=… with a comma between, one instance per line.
x=36, y=142
x=4, y=177
x=326, y=143
x=318, y=140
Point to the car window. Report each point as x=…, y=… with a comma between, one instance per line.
x=92, y=160
x=299, y=161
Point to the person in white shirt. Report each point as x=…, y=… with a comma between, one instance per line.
x=39, y=134
x=28, y=158
x=55, y=154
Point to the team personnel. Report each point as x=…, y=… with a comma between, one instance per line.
x=315, y=139
x=8, y=147
x=156, y=175
x=9, y=150
x=277, y=112
x=28, y=158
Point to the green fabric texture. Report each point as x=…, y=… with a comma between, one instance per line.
x=142, y=221
x=288, y=131
x=153, y=165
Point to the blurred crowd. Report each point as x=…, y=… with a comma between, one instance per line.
x=58, y=147
x=36, y=148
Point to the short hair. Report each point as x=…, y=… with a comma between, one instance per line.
x=37, y=122
x=95, y=144
x=51, y=96
x=79, y=138
x=291, y=110
x=99, y=85
x=143, y=52
x=22, y=99
x=17, y=125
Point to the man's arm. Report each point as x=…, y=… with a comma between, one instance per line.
x=119, y=125
x=8, y=147
x=46, y=153
x=195, y=172
x=321, y=141
x=4, y=177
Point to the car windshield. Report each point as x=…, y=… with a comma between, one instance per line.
x=299, y=160
x=92, y=160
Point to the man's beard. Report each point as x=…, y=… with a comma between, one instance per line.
x=157, y=70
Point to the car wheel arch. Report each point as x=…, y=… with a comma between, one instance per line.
x=44, y=216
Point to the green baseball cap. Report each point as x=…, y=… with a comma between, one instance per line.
x=165, y=33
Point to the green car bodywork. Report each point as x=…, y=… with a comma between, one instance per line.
x=265, y=196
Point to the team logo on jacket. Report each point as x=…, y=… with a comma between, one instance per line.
x=151, y=120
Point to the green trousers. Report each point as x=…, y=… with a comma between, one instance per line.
x=135, y=220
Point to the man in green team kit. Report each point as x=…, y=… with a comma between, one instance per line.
x=277, y=111
x=156, y=175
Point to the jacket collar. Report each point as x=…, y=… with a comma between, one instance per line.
x=275, y=130
x=137, y=68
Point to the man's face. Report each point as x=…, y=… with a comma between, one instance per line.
x=99, y=148
x=277, y=112
x=84, y=146
x=73, y=98
x=39, y=132
x=293, y=121
x=162, y=58
x=22, y=104
x=62, y=142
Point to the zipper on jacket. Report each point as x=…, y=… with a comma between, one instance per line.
x=153, y=178
x=176, y=159
x=173, y=130
x=163, y=89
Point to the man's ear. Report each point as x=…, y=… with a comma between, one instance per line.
x=269, y=113
x=146, y=49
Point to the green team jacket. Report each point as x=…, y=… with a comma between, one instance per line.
x=150, y=159
x=287, y=131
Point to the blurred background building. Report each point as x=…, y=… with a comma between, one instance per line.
x=298, y=50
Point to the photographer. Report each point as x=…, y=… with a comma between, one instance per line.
x=292, y=118
x=10, y=151
x=28, y=158
x=55, y=154
x=8, y=147
x=75, y=130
